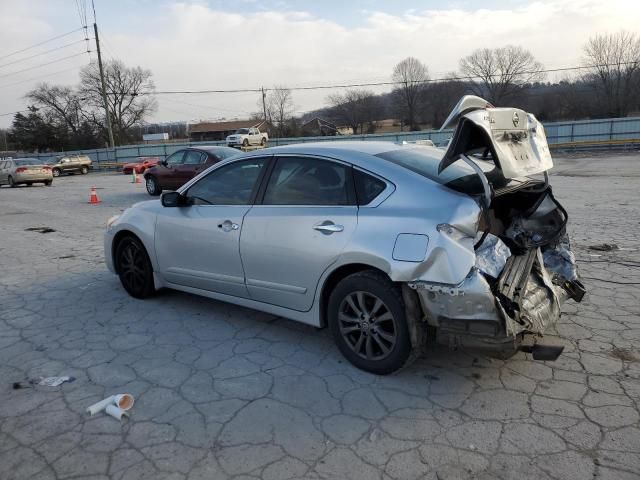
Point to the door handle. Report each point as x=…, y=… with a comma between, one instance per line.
x=228, y=226
x=328, y=228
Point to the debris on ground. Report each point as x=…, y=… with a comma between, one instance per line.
x=40, y=229
x=604, y=247
x=55, y=381
x=116, y=405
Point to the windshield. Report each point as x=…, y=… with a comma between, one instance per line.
x=242, y=131
x=422, y=161
x=27, y=161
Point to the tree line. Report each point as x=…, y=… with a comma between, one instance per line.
x=607, y=85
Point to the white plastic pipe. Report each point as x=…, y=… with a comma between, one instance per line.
x=101, y=405
x=116, y=412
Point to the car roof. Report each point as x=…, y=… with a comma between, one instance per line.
x=209, y=148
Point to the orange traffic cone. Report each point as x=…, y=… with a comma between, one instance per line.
x=93, y=196
x=137, y=177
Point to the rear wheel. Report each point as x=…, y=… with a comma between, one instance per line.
x=134, y=268
x=48, y=183
x=152, y=186
x=12, y=184
x=84, y=170
x=56, y=172
x=366, y=316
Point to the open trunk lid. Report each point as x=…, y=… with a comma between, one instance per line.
x=514, y=138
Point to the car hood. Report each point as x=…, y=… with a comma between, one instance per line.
x=515, y=138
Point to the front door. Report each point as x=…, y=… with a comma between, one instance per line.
x=307, y=216
x=198, y=245
x=167, y=173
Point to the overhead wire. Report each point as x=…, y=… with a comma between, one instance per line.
x=42, y=53
x=41, y=43
x=43, y=64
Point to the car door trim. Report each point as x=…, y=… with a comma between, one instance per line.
x=276, y=286
x=206, y=275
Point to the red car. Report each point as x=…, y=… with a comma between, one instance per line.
x=140, y=166
x=181, y=166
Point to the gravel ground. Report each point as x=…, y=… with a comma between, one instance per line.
x=225, y=392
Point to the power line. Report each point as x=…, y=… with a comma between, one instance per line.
x=21, y=82
x=368, y=84
x=41, y=43
x=43, y=64
x=43, y=53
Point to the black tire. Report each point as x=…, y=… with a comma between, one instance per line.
x=11, y=182
x=378, y=340
x=84, y=170
x=245, y=143
x=56, y=172
x=263, y=142
x=134, y=268
x=152, y=186
x=48, y=183
x=29, y=184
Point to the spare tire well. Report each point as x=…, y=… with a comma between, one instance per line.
x=333, y=279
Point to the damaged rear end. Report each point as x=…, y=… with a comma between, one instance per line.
x=525, y=269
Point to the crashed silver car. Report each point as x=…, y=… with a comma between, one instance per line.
x=388, y=245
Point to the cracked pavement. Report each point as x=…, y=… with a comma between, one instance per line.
x=226, y=392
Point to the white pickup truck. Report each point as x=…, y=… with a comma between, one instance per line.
x=244, y=137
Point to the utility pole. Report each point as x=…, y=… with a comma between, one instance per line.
x=264, y=104
x=104, y=88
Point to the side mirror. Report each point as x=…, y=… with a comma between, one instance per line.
x=163, y=163
x=173, y=199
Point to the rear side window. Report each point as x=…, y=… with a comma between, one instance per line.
x=307, y=181
x=368, y=187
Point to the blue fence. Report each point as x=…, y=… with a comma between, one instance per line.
x=612, y=129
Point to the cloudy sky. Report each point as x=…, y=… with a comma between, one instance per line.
x=219, y=44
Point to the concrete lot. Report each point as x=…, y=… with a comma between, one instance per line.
x=225, y=392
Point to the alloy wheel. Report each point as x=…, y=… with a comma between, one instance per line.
x=132, y=267
x=367, y=325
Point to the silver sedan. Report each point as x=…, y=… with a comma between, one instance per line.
x=385, y=244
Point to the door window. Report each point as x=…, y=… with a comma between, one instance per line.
x=308, y=181
x=193, y=157
x=175, y=158
x=231, y=184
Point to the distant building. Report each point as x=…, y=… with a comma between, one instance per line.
x=200, y=132
x=318, y=127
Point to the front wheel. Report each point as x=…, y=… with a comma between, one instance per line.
x=245, y=143
x=56, y=172
x=152, y=186
x=366, y=316
x=134, y=268
x=84, y=170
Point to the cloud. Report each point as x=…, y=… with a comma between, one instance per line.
x=194, y=46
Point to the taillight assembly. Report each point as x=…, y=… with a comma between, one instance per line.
x=21, y=169
x=46, y=169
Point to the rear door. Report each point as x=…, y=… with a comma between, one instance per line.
x=305, y=219
x=191, y=165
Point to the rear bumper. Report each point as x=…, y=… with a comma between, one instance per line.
x=32, y=177
x=494, y=315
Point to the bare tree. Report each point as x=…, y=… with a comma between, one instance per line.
x=280, y=108
x=501, y=72
x=441, y=97
x=128, y=95
x=356, y=108
x=410, y=76
x=63, y=102
x=614, y=69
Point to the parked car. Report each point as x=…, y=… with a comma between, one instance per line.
x=245, y=137
x=17, y=171
x=140, y=166
x=70, y=164
x=181, y=166
x=380, y=242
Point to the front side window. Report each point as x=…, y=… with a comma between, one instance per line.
x=307, y=181
x=175, y=158
x=231, y=184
